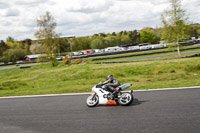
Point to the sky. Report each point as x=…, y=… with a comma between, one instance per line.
x=86, y=17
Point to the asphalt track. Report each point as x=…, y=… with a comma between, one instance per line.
x=169, y=111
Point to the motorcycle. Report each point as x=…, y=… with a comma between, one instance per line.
x=101, y=96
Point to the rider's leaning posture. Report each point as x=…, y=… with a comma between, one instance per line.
x=113, y=83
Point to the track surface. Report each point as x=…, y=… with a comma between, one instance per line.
x=170, y=111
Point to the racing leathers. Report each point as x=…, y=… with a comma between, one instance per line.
x=113, y=83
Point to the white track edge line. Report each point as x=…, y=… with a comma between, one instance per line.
x=76, y=94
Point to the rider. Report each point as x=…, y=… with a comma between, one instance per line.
x=113, y=83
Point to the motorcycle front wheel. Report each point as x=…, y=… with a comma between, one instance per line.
x=126, y=99
x=92, y=101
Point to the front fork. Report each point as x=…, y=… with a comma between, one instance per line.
x=94, y=96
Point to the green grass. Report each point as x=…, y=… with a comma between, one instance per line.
x=146, y=74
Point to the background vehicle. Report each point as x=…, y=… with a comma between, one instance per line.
x=145, y=46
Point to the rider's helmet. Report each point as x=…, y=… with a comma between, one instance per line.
x=109, y=77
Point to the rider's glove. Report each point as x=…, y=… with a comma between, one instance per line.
x=104, y=87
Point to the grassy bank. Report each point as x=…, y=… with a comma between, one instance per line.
x=146, y=74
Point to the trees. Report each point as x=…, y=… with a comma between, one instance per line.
x=97, y=43
x=3, y=47
x=10, y=39
x=25, y=44
x=12, y=55
x=195, y=31
x=109, y=41
x=125, y=39
x=36, y=48
x=13, y=45
x=134, y=36
x=147, y=36
x=47, y=36
x=175, y=24
x=80, y=43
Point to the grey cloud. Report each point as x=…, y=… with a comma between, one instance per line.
x=93, y=8
x=86, y=10
x=154, y=2
x=80, y=19
x=6, y=23
x=159, y=2
x=4, y=5
x=12, y=12
x=31, y=2
x=90, y=9
x=30, y=23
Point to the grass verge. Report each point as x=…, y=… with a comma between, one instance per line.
x=146, y=74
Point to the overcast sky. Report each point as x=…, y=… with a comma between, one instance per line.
x=85, y=17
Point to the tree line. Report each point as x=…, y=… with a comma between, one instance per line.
x=9, y=48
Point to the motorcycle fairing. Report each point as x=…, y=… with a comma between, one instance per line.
x=112, y=102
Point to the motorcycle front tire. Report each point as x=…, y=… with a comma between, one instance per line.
x=92, y=101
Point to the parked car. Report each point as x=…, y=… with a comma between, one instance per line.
x=89, y=51
x=145, y=46
x=76, y=53
x=98, y=50
x=82, y=52
x=113, y=49
x=59, y=58
x=198, y=40
x=155, y=46
x=133, y=48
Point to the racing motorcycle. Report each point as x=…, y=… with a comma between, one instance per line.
x=101, y=96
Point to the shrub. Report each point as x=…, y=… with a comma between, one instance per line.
x=54, y=62
x=13, y=55
x=67, y=60
x=192, y=68
x=78, y=61
x=42, y=59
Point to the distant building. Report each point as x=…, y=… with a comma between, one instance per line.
x=33, y=58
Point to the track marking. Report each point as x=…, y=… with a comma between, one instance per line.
x=76, y=94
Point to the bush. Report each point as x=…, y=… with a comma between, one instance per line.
x=42, y=59
x=53, y=61
x=192, y=68
x=67, y=60
x=13, y=55
x=78, y=61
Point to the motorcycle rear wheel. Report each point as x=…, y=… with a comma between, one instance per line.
x=126, y=99
x=92, y=101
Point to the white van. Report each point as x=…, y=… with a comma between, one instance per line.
x=113, y=49
x=133, y=48
x=145, y=46
x=155, y=46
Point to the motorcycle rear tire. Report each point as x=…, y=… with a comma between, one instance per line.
x=126, y=99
